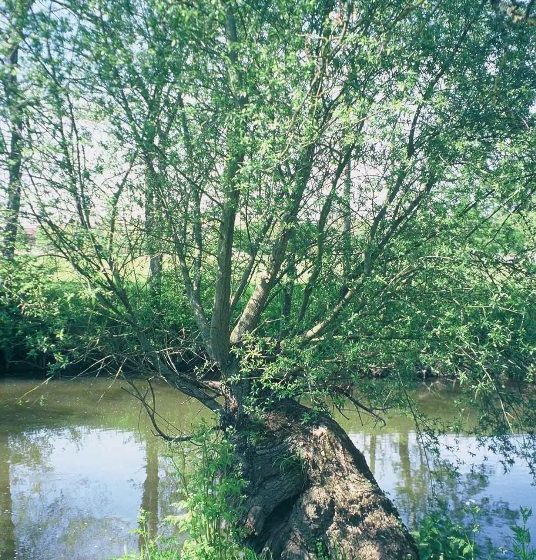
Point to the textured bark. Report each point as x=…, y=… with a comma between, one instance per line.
x=309, y=487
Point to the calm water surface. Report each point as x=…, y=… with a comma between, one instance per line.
x=78, y=461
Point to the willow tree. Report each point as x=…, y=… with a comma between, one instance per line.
x=299, y=164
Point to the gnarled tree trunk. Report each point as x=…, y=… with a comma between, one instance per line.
x=310, y=489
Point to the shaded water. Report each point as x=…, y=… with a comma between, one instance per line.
x=78, y=461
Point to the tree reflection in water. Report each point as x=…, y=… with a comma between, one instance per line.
x=463, y=476
x=7, y=528
x=149, y=500
x=77, y=464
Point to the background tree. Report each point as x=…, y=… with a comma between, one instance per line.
x=14, y=17
x=334, y=187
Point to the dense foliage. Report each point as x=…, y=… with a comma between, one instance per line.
x=319, y=188
x=270, y=200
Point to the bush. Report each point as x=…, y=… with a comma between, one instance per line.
x=40, y=315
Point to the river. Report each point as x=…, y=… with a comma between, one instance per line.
x=78, y=461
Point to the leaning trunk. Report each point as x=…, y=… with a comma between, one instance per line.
x=310, y=491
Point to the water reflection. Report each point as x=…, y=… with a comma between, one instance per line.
x=77, y=462
x=149, y=499
x=465, y=474
x=7, y=528
x=83, y=492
